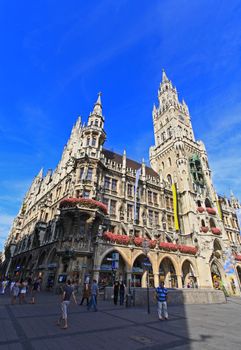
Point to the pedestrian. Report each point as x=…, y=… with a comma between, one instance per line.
x=122, y=292
x=85, y=294
x=22, y=291
x=15, y=292
x=161, y=296
x=66, y=296
x=94, y=294
x=116, y=291
x=35, y=289
x=4, y=285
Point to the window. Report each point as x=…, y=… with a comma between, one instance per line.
x=107, y=183
x=156, y=218
x=169, y=179
x=150, y=213
x=129, y=212
x=106, y=201
x=94, y=141
x=88, y=141
x=81, y=173
x=112, y=207
x=155, y=198
x=149, y=196
x=96, y=122
x=89, y=174
x=114, y=185
x=129, y=190
x=170, y=161
x=86, y=194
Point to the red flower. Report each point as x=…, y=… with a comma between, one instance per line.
x=88, y=202
x=187, y=249
x=204, y=229
x=138, y=241
x=168, y=246
x=211, y=211
x=216, y=231
x=200, y=209
x=238, y=257
x=152, y=243
x=121, y=239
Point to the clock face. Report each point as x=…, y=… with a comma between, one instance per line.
x=181, y=118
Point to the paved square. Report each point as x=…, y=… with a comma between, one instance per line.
x=190, y=327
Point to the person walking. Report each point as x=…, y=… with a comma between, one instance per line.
x=15, y=292
x=161, y=296
x=122, y=292
x=35, y=289
x=86, y=294
x=67, y=294
x=116, y=291
x=94, y=294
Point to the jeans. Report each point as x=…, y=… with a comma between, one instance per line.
x=162, y=309
x=93, y=302
x=64, y=308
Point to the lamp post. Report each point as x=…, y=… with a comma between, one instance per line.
x=146, y=249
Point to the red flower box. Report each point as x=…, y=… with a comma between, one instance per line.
x=187, y=249
x=87, y=202
x=238, y=257
x=200, y=209
x=216, y=231
x=174, y=247
x=112, y=237
x=204, y=229
x=138, y=241
x=152, y=243
x=168, y=246
x=211, y=211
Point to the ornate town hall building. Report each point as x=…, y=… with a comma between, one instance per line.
x=91, y=215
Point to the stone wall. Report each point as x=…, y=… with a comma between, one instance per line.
x=175, y=296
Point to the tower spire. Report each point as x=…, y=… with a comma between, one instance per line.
x=164, y=76
x=98, y=105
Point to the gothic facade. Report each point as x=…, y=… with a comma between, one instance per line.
x=100, y=214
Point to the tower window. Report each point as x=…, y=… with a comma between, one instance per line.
x=94, y=141
x=169, y=179
x=89, y=174
x=96, y=122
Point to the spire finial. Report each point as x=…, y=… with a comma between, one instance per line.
x=98, y=105
x=164, y=76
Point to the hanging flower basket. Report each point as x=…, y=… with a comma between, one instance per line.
x=204, y=229
x=200, y=209
x=211, y=211
x=85, y=202
x=216, y=231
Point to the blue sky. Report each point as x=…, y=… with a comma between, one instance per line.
x=56, y=56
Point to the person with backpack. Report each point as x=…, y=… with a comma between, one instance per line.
x=161, y=296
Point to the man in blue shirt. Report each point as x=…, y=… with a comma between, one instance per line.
x=161, y=295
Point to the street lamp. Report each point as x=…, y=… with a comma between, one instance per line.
x=146, y=249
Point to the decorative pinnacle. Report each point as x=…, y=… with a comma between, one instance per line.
x=164, y=76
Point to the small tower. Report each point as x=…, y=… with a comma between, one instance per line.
x=94, y=135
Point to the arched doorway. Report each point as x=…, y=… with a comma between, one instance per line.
x=188, y=275
x=52, y=265
x=112, y=268
x=167, y=273
x=216, y=276
x=140, y=268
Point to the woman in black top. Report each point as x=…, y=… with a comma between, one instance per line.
x=116, y=292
